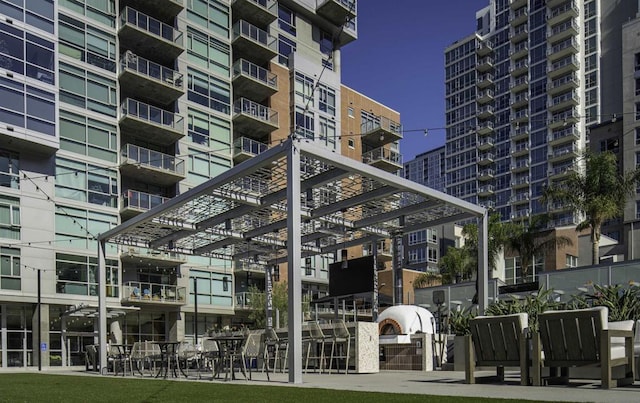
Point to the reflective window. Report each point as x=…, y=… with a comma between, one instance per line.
x=26, y=54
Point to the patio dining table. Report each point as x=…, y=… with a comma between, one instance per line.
x=169, y=359
x=230, y=345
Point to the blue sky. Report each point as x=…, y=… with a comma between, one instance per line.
x=398, y=60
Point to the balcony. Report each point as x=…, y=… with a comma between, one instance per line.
x=520, y=132
x=563, y=30
x=565, y=135
x=485, y=128
x=519, y=67
x=384, y=251
x=484, y=48
x=520, y=99
x=140, y=293
x=151, y=166
x=519, y=198
x=143, y=78
x=252, y=118
x=559, y=85
x=486, y=174
x=252, y=43
x=336, y=11
x=519, y=16
x=520, y=149
x=252, y=81
x=516, y=4
x=383, y=158
x=257, y=12
x=563, y=101
x=522, y=214
x=563, y=48
x=486, y=190
x=519, y=50
x=245, y=148
x=485, y=111
x=486, y=143
x=134, y=202
x=564, y=119
x=519, y=83
x=564, y=153
x=486, y=158
x=149, y=37
x=484, y=64
x=380, y=131
x=169, y=10
x=485, y=80
x=557, y=207
x=520, y=116
x=561, y=172
x=520, y=165
x=565, y=221
x=563, y=66
x=152, y=257
x=520, y=182
x=488, y=204
x=567, y=10
x=484, y=96
x=148, y=122
x=519, y=33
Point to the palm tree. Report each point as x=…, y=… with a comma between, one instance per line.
x=531, y=240
x=498, y=233
x=426, y=279
x=600, y=193
x=456, y=264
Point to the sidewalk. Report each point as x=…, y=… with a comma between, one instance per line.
x=443, y=383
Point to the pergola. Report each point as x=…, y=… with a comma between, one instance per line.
x=295, y=200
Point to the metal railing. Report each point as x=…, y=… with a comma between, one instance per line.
x=244, y=29
x=141, y=200
x=153, y=292
x=381, y=122
x=245, y=67
x=248, y=146
x=151, y=25
x=382, y=154
x=152, y=114
x=155, y=71
x=153, y=159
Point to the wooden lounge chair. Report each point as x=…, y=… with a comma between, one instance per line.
x=583, y=337
x=498, y=341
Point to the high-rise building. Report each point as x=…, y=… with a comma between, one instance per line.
x=520, y=93
x=109, y=108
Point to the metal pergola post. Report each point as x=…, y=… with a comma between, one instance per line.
x=102, y=303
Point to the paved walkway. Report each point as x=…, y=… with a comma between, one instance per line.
x=444, y=383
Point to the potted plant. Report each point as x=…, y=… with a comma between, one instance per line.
x=459, y=326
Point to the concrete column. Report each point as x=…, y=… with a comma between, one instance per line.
x=175, y=323
x=43, y=329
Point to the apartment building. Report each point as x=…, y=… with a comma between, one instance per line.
x=108, y=109
x=521, y=92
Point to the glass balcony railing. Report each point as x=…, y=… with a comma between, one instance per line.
x=245, y=67
x=149, y=69
x=245, y=145
x=136, y=291
x=381, y=123
x=382, y=154
x=244, y=29
x=151, y=25
x=153, y=159
x=152, y=114
x=141, y=200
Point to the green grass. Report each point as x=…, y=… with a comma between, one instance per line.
x=67, y=388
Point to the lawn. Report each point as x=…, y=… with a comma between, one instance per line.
x=67, y=388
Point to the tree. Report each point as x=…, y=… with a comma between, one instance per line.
x=257, y=304
x=498, y=234
x=426, y=279
x=600, y=193
x=532, y=240
x=456, y=264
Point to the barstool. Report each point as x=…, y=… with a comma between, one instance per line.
x=341, y=341
x=317, y=337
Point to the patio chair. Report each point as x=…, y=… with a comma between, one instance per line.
x=188, y=359
x=211, y=356
x=584, y=337
x=341, y=345
x=316, y=339
x=498, y=341
x=276, y=349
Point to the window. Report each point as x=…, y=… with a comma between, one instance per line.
x=208, y=52
x=101, y=11
x=88, y=90
x=38, y=14
x=24, y=106
x=637, y=136
x=637, y=110
x=286, y=20
x=432, y=255
x=9, y=217
x=304, y=124
x=212, y=288
x=351, y=143
x=286, y=47
x=86, y=136
x=208, y=130
x=26, y=54
x=418, y=255
x=203, y=166
x=210, y=14
x=417, y=237
x=637, y=58
x=9, y=169
x=75, y=228
x=350, y=112
x=572, y=261
x=78, y=275
x=327, y=99
x=303, y=90
x=86, y=182
x=638, y=209
x=327, y=132
x=86, y=43
x=10, y=269
x=209, y=91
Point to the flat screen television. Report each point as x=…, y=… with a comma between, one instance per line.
x=356, y=278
